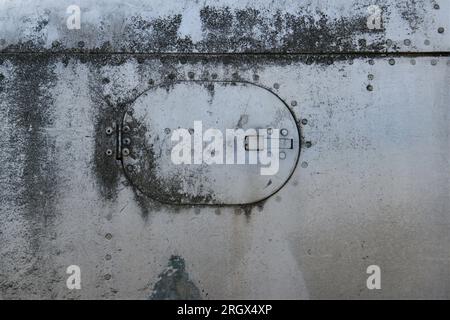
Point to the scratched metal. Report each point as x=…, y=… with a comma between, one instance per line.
x=372, y=184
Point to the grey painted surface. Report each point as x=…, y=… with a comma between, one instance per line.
x=373, y=187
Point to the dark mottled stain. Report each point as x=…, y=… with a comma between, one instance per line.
x=243, y=120
x=144, y=174
x=226, y=30
x=41, y=24
x=413, y=12
x=30, y=114
x=211, y=90
x=105, y=168
x=174, y=283
x=109, y=113
x=157, y=35
x=31, y=171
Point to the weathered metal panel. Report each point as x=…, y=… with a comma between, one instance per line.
x=372, y=186
x=226, y=26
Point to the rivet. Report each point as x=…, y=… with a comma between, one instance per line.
x=269, y=131
x=125, y=152
x=167, y=130
x=81, y=44
x=391, y=62
x=171, y=76
x=109, y=131
x=304, y=164
x=127, y=141
x=293, y=103
x=369, y=88
x=151, y=82
x=109, y=152
x=436, y=6
x=370, y=77
x=130, y=168
x=441, y=30
x=214, y=75
x=107, y=276
x=282, y=155
x=126, y=129
x=284, y=132
x=191, y=75
x=433, y=62
x=407, y=42
x=308, y=144
x=276, y=86
x=108, y=257
x=427, y=42
x=371, y=62
x=255, y=77
x=413, y=62
x=305, y=121
x=108, y=236
x=389, y=42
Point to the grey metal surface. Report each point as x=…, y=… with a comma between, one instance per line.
x=372, y=186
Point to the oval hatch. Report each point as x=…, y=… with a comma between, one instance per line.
x=236, y=122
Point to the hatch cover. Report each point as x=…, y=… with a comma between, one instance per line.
x=209, y=142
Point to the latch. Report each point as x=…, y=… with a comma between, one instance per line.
x=258, y=142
